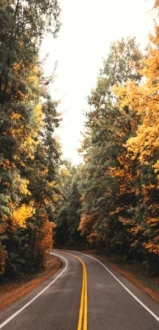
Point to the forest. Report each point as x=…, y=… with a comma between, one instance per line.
x=29, y=151
x=111, y=200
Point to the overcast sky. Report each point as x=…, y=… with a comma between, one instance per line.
x=88, y=28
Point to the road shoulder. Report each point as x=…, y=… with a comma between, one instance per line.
x=12, y=291
x=134, y=274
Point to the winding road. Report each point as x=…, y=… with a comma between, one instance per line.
x=84, y=294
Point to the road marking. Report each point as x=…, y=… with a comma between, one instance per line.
x=132, y=294
x=39, y=294
x=82, y=319
x=85, y=303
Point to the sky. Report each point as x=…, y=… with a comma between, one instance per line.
x=88, y=28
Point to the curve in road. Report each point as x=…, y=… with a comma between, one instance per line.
x=113, y=302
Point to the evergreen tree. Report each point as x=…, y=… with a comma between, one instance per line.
x=22, y=26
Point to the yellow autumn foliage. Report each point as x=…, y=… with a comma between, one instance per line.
x=21, y=184
x=143, y=100
x=38, y=114
x=22, y=213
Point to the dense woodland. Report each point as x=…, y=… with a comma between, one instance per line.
x=111, y=200
x=29, y=151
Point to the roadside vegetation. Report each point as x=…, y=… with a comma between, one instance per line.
x=113, y=198
x=29, y=150
x=110, y=202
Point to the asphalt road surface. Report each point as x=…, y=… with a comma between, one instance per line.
x=84, y=294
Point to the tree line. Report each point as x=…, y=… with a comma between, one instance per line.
x=113, y=198
x=30, y=153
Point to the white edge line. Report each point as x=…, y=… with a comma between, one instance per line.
x=137, y=299
x=39, y=294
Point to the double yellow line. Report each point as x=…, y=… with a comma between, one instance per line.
x=82, y=319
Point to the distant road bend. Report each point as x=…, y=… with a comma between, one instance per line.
x=83, y=295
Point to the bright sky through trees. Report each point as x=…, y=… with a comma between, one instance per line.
x=88, y=28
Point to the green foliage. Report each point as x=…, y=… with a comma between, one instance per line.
x=29, y=152
x=119, y=179
x=69, y=209
x=107, y=130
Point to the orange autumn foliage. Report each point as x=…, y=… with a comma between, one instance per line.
x=86, y=222
x=44, y=241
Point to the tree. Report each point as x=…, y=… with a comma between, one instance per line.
x=106, y=194
x=69, y=209
x=143, y=148
x=22, y=87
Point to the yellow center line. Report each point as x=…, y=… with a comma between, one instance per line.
x=83, y=310
x=85, y=303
